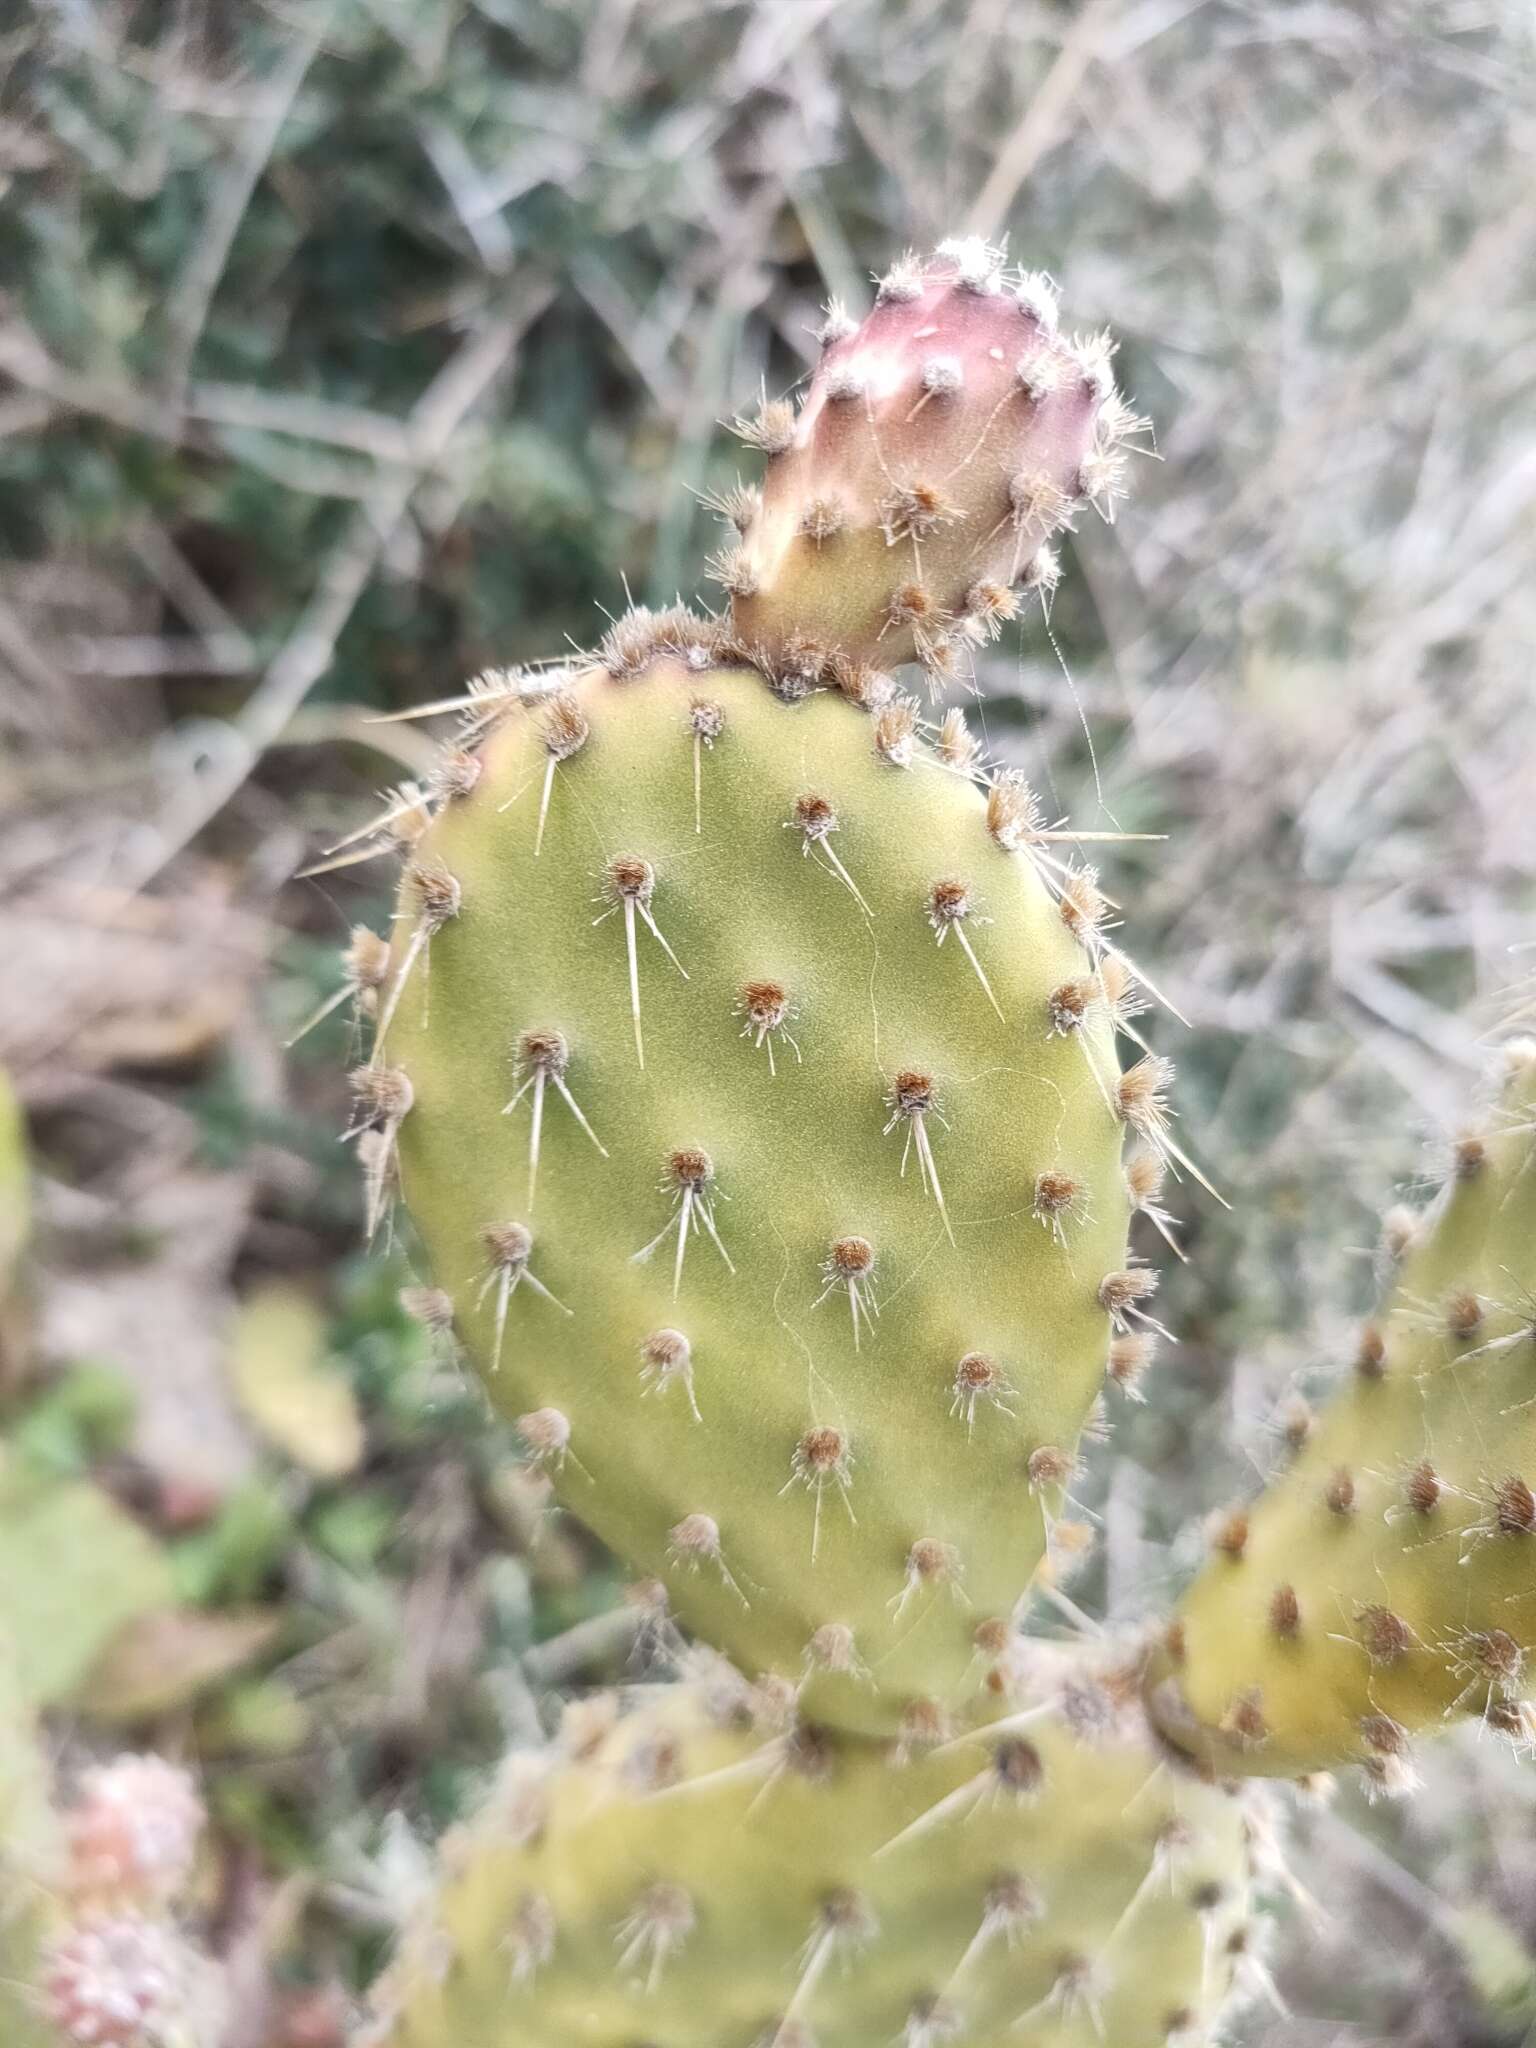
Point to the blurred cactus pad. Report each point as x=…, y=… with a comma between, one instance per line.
x=677, y=1874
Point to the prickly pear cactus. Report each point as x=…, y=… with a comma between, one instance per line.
x=746, y=1052
x=753, y=1081
x=685, y=1878
x=1386, y=1583
x=906, y=510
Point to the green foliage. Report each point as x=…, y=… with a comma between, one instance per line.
x=74, y=1569
x=235, y=1554
x=84, y=1414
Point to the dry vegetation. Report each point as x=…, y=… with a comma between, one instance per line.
x=349, y=345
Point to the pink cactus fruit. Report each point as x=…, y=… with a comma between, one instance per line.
x=906, y=509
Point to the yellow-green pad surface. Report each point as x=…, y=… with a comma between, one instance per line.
x=801, y=1157
x=1405, y=1529
x=800, y=1901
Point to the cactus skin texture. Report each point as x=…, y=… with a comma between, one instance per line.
x=1386, y=1582
x=822, y=1491
x=942, y=443
x=675, y=1878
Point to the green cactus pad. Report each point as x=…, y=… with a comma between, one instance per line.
x=803, y=1313
x=680, y=1879
x=1385, y=1584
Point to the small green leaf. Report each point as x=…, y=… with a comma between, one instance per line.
x=74, y=1569
x=288, y=1386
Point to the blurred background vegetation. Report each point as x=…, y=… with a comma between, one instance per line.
x=350, y=346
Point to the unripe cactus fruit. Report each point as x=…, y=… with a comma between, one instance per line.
x=1385, y=1582
x=683, y=1877
x=760, y=1263
x=943, y=442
